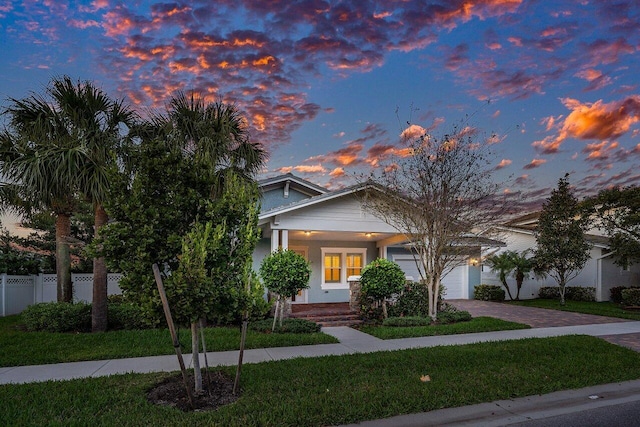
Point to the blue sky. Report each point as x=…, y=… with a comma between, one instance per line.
x=329, y=86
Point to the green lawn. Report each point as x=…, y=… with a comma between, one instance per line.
x=338, y=389
x=32, y=348
x=478, y=324
x=598, y=308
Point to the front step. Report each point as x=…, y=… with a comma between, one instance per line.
x=328, y=314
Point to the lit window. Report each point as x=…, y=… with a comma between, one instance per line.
x=354, y=264
x=340, y=263
x=332, y=267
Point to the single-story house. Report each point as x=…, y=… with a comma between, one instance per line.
x=338, y=237
x=599, y=272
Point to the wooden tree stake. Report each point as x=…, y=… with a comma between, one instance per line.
x=172, y=330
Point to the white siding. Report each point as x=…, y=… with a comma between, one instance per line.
x=343, y=214
x=521, y=241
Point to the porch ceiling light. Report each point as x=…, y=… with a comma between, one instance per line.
x=368, y=234
x=307, y=233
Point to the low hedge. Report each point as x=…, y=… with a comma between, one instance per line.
x=616, y=293
x=574, y=293
x=631, y=297
x=76, y=317
x=453, y=316
x=58, y=317
x=293, y=326
x=125, y=316
x=444, y=317
x=488, y=293
x=406, y=321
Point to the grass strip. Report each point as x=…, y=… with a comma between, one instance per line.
x=605, y=308
x=477, y=324
x=339, y=389
x=34, y=348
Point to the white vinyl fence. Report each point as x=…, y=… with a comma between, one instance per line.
x=18, y=292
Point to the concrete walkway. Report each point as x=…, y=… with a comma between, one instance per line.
x=353, y=341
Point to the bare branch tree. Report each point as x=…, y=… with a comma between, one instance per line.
x=439, y=193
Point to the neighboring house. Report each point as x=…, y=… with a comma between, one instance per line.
x=338, y=236
x=599, y=272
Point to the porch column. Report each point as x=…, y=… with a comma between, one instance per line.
x=285, y=239
x=382, y=252
x=275, y=240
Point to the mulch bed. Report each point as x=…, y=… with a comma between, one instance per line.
x=218, y=391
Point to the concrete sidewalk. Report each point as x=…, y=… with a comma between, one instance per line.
x=351, y=341
x=499, y=413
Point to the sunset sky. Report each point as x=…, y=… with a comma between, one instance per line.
x=329, y=86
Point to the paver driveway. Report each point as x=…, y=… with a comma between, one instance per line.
x=545, y=318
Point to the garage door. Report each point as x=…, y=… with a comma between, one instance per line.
x=455, y=281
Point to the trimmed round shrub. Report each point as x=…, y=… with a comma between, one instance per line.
x=293, y=326
x=488, y=293
x=631, y=297
x=58, y=317
x=285, y=272
x=381, y=278
x=406, y=321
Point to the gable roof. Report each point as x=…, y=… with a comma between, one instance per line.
x=298, y=183
x=328, y=195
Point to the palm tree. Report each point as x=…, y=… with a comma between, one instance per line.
x=57, y=151
x=37, y=164
x=502, y=264
x=522, y=266
x=216, y=134
x=96, y=123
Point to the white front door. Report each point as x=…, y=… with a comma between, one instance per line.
x=301, y=296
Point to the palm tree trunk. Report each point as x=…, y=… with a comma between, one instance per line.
x=506, y=286
x=63, y=258
x=99, y=318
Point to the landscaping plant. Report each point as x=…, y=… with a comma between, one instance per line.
x=511, y=263
x=437, y=193
x=562, y=249
x=284, y=273
x=380, y=279
x=488, y=293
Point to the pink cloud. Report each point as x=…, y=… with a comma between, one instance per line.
x=596, y=120
x=412, y=132
x=596, y=79
x=607, y=52
x=337, y=173
x=309, y=169
x=83, y=24
x=535, y=163
x=503, y=163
